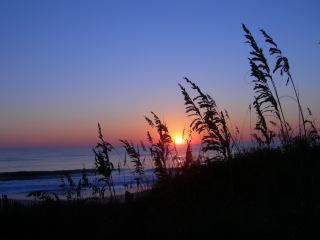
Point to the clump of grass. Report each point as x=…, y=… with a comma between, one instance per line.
x=139, y=164
x=161, y=150
x=71, y=190
x=260, y=70
x=210, y=122
x=282, y=64
x=104, y=166
x=267, y=102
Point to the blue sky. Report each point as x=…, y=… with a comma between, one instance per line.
x=67, y=65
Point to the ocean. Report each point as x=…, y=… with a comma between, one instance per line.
x=27, y=170
x=40, y=169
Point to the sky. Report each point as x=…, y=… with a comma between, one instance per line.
x=66, y=66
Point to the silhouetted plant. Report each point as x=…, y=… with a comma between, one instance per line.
x=134, y=154
x=272, y=106
x=44, y=195
x=312, y=134
x=104, y=166
x=67, y=191
x=71, y=189
x=188, y=153
x=283, y=64
x=261, y=71
x=160, y=150
x=211, y=123
x=261, y=126
x=188, y=140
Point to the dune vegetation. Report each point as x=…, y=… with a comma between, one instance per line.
x=270, y=190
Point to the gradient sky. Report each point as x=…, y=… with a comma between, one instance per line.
x=67, y=65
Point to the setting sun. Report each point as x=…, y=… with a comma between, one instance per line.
x=178, y=140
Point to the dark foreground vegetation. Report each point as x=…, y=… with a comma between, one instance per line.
x=261, y=194
x=269, y=191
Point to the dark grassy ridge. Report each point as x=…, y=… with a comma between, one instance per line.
x=260, y=194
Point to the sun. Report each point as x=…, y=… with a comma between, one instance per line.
x=178, y=140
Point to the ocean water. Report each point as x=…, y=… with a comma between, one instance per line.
x=26, y=170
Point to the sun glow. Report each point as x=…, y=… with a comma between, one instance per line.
x=178, y=140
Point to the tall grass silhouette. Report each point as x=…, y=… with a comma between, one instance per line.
x=211, y=123
x=268, y=102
